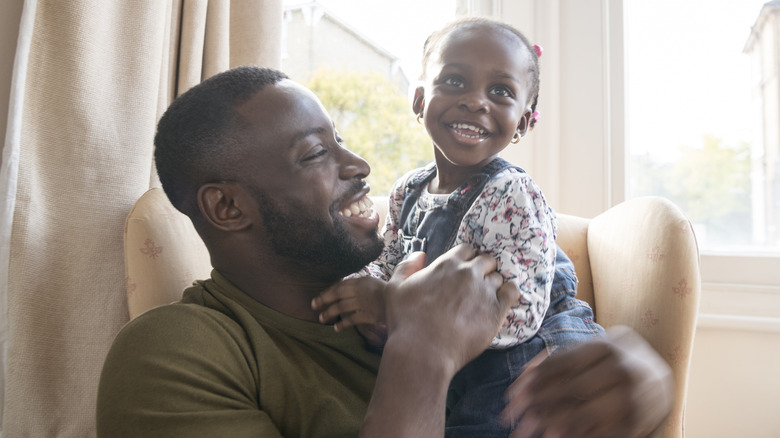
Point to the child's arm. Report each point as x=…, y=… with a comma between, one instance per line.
x=355, y=302
x=512, y=221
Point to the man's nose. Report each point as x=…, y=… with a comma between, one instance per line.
x=353, y=165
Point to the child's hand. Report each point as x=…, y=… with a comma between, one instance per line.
x=355, y=302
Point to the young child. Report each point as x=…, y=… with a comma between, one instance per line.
x=480, y=87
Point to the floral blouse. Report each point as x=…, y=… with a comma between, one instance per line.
x=510, y=220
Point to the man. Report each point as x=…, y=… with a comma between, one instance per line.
x=254, y=160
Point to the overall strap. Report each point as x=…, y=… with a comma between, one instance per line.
x=414, y=187
x=464, y=196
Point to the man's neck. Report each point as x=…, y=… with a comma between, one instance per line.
x=287, y=294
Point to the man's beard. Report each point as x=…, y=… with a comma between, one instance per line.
x=324, y=247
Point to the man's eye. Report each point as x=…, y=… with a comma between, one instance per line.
x=315, y=154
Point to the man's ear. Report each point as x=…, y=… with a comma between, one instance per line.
x=418, y=103
x=524, y=123
x=223, y=206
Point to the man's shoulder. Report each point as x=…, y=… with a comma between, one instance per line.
x=180, y=326
x=181, y=311
x=167, y=364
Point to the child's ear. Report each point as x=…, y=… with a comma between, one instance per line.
x=524, y=123
x=223, y=205
x=418, y=103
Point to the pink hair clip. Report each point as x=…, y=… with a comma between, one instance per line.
x=534, y=118
x=538, y=49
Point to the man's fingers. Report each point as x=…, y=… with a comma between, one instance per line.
x=508, y=294
x=572, y=362
x=588, y=417
x=551, y=381
x=605, y=416
x=462, y=251
x=484, y=264
x=406, y=268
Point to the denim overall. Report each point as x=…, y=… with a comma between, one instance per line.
x=476, y=393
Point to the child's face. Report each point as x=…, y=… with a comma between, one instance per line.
x=476, y=94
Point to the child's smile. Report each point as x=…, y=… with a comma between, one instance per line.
x=468, y=133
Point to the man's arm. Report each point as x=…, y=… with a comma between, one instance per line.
x=439, y=319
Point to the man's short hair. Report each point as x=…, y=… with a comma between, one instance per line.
x=194, y=139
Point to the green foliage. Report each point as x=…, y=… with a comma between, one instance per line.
x=711, y=183
x=376, y=121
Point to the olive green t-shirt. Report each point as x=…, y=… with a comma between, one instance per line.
x=220, y=364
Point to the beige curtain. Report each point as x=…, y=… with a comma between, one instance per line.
x=91, y=79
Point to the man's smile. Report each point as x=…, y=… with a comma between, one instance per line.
x=362, y=208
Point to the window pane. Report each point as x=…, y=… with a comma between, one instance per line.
x=361, y=57
x=703, y=115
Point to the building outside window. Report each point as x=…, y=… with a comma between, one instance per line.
x=703, y=116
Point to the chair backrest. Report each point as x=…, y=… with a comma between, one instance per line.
x=645, y=268
x=163, y=253
x=638, y=265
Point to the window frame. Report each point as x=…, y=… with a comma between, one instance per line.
x=583, y=168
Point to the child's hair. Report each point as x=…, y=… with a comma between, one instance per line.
x=475, y=22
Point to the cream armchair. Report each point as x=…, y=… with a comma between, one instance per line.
x=637, y=264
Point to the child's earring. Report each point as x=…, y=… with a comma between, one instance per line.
x=419, y=103
x=522, y=128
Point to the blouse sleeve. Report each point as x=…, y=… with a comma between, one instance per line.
x=512, y=221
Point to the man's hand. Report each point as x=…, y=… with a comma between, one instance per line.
x=454, y=306
x=438, y=319
x=615, y=387
x=355, y=302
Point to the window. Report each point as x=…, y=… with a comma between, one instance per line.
x=362, y=59
x=702, y=105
